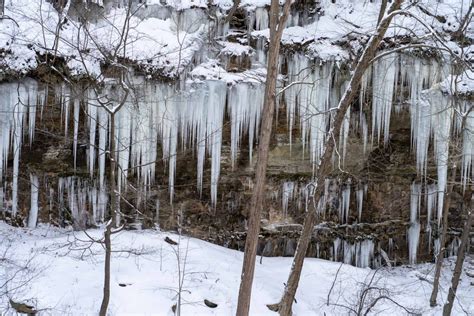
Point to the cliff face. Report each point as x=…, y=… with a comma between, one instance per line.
x=185, y=137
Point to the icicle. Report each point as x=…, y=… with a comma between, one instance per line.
x=442, y=116
x=32, y=100
x=468, y=148
x=18, y=101
x=384, y=78
x=346, y=200
x=64, y=100
x=337, y=244
x=102, y=204
x=123, y=134
x=345, y=134
x=103, y=128
x=92, y=108
x=364, y=253
x=311, y=98
x=216, y=104
x=287, y=195
x=414, y=229
x=421, y=129
x=360, y=202
x=238, y=117
x=431, y=195
x=349, y=251
x=261, y=18
x=364, y=131
x=33, y=216
x=93, y=200
x=76, y=129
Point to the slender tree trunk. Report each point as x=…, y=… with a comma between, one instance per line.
x=277, y=24
x=467, y=205
x=325, y=165
x=112, y=222
x=383, y=7
x=442, y=242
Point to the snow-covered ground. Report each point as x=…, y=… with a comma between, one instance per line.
x=64, y=277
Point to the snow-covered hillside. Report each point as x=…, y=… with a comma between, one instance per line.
x=65, y=275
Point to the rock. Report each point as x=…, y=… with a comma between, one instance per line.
x=210, y=304
x=170, y=241
x=23, y=308
x=273, y=307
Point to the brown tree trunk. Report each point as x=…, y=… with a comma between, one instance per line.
x=112, y=222
x=277, y=24
x=325, y=165
x=442, y=242
x=383, y=7
x=467, y=205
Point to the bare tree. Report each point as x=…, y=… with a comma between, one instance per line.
x=440, y=255
x=370, y=293
x=277, y=25
x=467, y=210
x=324, y=167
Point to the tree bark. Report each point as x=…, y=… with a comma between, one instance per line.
x=440, y=256
x=277, y=24
x=325, y=164
x=467, y=205
x=383, y=7
x=112, y=220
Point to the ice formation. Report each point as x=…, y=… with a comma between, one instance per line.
x=311, y=97
x=86, y=203
x=360, y=193
x=384, y=78
x=161, y=120
x=345, y=203
x=414, y=229
x=468, y=146
x=33, y=216
x=287, y=195
x=19, y=102
x=442, y=118
x=360, y=253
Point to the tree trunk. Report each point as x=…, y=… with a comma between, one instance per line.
x=440, y=256
x=112, y=222
x=467, y=205
x=277, y=24
x=383, y=7
x=325, y=165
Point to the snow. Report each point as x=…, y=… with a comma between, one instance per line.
x=235, y=49
x=67, y=277
x=461, y=84
x=169, y=42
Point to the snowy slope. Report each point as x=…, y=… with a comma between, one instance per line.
x=68, y=277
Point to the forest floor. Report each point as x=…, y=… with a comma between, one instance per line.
x=60, y=272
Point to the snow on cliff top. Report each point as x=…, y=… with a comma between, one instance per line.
x=170, y=45
x=461, y=85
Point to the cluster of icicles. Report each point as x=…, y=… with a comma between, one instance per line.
x=160, y=118
x=335, y=194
